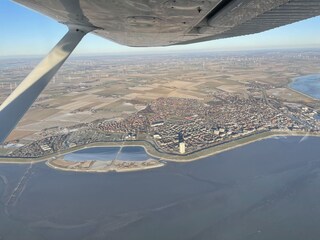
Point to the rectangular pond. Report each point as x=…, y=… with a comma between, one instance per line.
x=132, y=153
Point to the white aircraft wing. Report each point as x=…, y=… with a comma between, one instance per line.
x=145, y=23
x=167, y=22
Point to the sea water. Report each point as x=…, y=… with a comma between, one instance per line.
x=265, y=190
x=309, y=85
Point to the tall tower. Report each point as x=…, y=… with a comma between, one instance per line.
x=182, y=147
x=182, y=144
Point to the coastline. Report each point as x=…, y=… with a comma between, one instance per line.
x=214, y=150
x=153, y=152
x=297, y=91
x=301, y=93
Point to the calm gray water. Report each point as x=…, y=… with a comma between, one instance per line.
x=309, y=85
x=265, y=190
x=108, y=154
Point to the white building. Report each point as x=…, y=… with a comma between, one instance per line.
x=182, y=147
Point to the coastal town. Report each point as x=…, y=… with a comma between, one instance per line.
x=173, y=114
x=168, y=122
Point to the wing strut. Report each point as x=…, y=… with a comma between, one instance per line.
x=21, y=99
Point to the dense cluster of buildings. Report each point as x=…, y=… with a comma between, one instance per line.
x=181, y=125
x=230, y=117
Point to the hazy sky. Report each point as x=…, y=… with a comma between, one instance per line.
x=25, y=32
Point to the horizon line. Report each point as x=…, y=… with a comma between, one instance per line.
x=177, y=51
